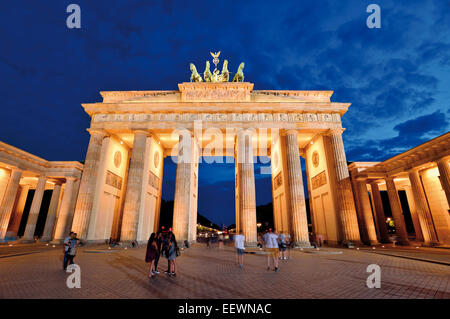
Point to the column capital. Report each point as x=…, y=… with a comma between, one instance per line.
x=289, y=132
x=97, y=132
x=334, y=131
x=443, y=159
x=141, y=132
x=57, y=182
x=71, y=178
x=389, y=178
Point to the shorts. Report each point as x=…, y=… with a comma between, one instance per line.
x=273, y=252
x=240, y=251
x=282, y=248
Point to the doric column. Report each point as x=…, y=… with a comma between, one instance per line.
x=28, y=235
x=366, y=211
x=16, y=217
x=346, y=204
x=88, y=182
x=444, y=172
x=63, y=222
x=51, y=215
x=135, y=182
x=421, y=206
x=184, y=209
x=379, y=213
x=414, y=215
x=296, y=201
x=246, y=186
x=397, y=213
x=8, y=201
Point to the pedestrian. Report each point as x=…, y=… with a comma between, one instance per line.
x=282, y=245
x=208, y=241
x=150, y=256
x=239, y=240
x=271, y=246
x=159, y=244
x=70, y=246
x=172, y=253
x=290, y=245
x=220, y=238
x=164, y=250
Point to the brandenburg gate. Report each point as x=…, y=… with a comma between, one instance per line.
x=132, y=131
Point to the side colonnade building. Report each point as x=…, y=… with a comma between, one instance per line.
x=21, y=172
x=423, y=173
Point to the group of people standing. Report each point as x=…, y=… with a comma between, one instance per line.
x=162, y=244
x=275, y=247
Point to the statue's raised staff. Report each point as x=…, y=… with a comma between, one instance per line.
x=195, y=77
x=239, y=76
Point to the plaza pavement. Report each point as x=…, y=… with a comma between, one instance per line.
x=35, y=271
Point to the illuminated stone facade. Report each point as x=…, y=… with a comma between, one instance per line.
x=423, y=174
x=118, y=195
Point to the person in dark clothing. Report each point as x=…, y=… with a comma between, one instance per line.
x=164, y=250
x=152, y=252
x=70, y=245
x=159, y=244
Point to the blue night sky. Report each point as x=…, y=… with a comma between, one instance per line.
x=397, y=77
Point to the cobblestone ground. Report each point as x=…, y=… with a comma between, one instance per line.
x=210, y=273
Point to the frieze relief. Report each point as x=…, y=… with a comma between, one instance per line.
x=219, y=117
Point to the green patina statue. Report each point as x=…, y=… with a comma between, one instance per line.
x=239, y=76
x=225, y=75
x=195, y=77
x=207, y=75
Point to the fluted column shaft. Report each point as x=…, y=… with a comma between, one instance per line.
x=379, y=213
x=363, y=198
x=34, y=210
x=247, y=199
x=298, y=219
x=8, y=201
x=63, y=222
x=134, y=188
x=346, y=204
x=51, y=215
x=444, y=172
x=421, y=206
x=88, y=182
x=397, y=213
x=181, y=207
x=16, y=217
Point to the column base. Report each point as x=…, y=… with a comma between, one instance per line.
x=129, y=243
x=27, y=241
x=402, y=243
x=56, y=241
x=44, y=240
x=251, y=245
x=303, y=244
x=182, y=243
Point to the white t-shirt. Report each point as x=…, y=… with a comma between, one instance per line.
x=271, y=240
x=239, y=241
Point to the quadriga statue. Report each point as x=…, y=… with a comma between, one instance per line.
x=207, y=75
x=225, y=75
x=239, y=76
x=195, y=77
